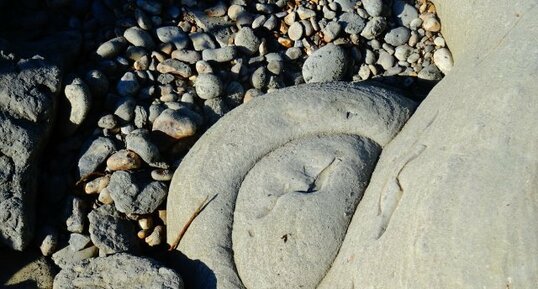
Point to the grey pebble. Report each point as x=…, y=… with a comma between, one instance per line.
x=247, y=40
x=214, y=109
x=293, y=53
x=329, y=63
x=78, y=241
x=404, y=12
x=402, y=52
x=162, y=175
x=430, y=72
x=203, y=67
x=176, y=67
x=187, y=56
x=331, y=31
x=295, y=31
x=353, y=23
x=112, y=47
x=135, y=193
x=374, y=28
x=373, y=7
x=139, y=37
x=134, y=53
x=385, y=60
x=141, y=117
x=79, y=101
x=397, y=36
x=77, y=209
x=271, y=23
x=139, y=141
x=94, y=154
x=111, y=232
x=125, y=107
x=143, y=20
x=259, y=78
x=275, y=66
x=370, y=57
x=179, y=122
x=66, y=258
x=174, y=35
x=223, y=54
x=128, y=84
x=208, y=86
x=202, y=41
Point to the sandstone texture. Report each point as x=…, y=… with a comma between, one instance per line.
x=118, y=271
x=287, y=169
x=452, y=202
x=28, y=90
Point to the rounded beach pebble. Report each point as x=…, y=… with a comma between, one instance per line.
x=326, y=64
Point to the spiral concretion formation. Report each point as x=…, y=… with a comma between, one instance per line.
x=288, y=170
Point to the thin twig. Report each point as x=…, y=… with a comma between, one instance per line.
x=200, y=208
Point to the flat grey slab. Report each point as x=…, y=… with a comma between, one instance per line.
x=314, y=125
x=453, y=200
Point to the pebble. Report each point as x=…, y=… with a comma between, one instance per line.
x=187, y=56
x=111, y=232
x=94, y=154
x=353, y=23
x=214, y=109
x=208, y=86
x=175, y=67
x=404, y=12
x=251, y=94
x=66, y=258
x=139, y=37
x=104, y=197
x=128, y=84
x=203, y=67
x=162, y=175
x=329, y=63
x=385, y=60
x=305, y=13
x=443, y=59
x=123, y=160
x=432, y=24
x=174, y=35
x=141, y=116
x=79, y=99
x=112, y=47
x=374, y=27
x=157, y=236
x=294, y=53
x=78, y=242
x=397, y=36
x=275, y=66
x=49, y=242
x=125, y=107
x=96, y=185
x=370, y=57
x=139, y=142
x=364, y=72
x=223, y=54
x=331, y=31
x=295, y=32
x=202, y=41
x=135, y=193
x=259, y=78
x=177, y=124
x=402, y=52
x=143, y=20
x=247, y=40
x=77, y=209
x=373, y=7
x=430, y=72
x=439, y=41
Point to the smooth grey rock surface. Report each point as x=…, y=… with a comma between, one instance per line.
x=93, y=154
x=28, y=91
x=118, y=271
x=294, y=121
x=452, y=201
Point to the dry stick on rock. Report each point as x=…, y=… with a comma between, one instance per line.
x=200, y=208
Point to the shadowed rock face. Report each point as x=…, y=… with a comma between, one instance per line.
x=28, y=89
x=288, y=170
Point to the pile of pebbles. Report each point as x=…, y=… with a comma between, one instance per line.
x=157, y=74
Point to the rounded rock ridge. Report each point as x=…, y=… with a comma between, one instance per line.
x=287, y=171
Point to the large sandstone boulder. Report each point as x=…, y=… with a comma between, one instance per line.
x=288, y=170
x=28, y=89
x=453, y=201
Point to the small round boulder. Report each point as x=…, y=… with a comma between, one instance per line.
x=326, y=64
x=208, y=86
